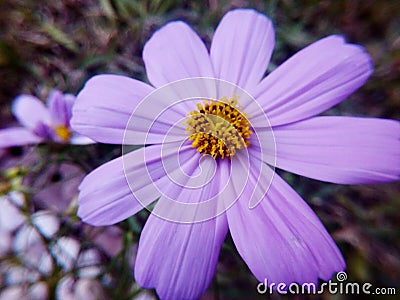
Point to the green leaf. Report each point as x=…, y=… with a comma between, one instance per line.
x=60, y=37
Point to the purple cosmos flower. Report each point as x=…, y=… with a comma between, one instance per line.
x=280, y=238
x=41, y=123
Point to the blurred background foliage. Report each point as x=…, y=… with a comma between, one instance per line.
x=60, y=44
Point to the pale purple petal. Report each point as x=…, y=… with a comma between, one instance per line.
x=127, y=185
x=60, y=108
x=158, y=119
x=88, y=288
x=313, y=80
x=20, y=291
x=65, y=288
x=59, y=196
x=65, y=251
x=103, y=108
x=186, y=168
x=242, y=46
x=11, y=218
x=30, y=111
x=77, y=139
x=177, y=259
x=175, y=52
x=31, y=249
x=11, y=137
x=5, y=242
x=112, y=201
x=46, y=222
x=341, y=149
x=109, y=239
x=44, y=131
x=73, y=287
x=69, y=100
x=281, y=239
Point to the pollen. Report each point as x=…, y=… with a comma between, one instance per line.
x=63, y=132
x=218, y=128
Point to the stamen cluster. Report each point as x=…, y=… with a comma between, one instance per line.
x=218, y=128
x=63, y=132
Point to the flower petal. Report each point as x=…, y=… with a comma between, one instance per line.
x=46, y=222
x=128, y=184
x=313, y=80
x=29, y=245
x=341, y=149
x=281, y=239
x=60, y=108
x=175, y=52
x=113, y=201
x=103, y=108
x=30, y=111
x=78, y=139
x=242, y=47
x=11, y=218
x=11, y=137
x=65, y=252
x=177, y=259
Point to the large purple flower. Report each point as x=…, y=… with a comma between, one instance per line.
x=41, y=123
x=279, y=237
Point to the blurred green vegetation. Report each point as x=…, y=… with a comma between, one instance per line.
x=60, y=44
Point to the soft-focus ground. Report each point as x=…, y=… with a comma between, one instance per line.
x=60, y=44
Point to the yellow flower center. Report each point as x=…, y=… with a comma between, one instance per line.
x=218, y=128
x=63, y=132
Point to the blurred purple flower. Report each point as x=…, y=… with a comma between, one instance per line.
x=59, y=196
x=41, y=123
x=11, y=219
x=37, y=290
x=108, y=239
x=281, y=239
x=70, y=288
x=29, y=263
